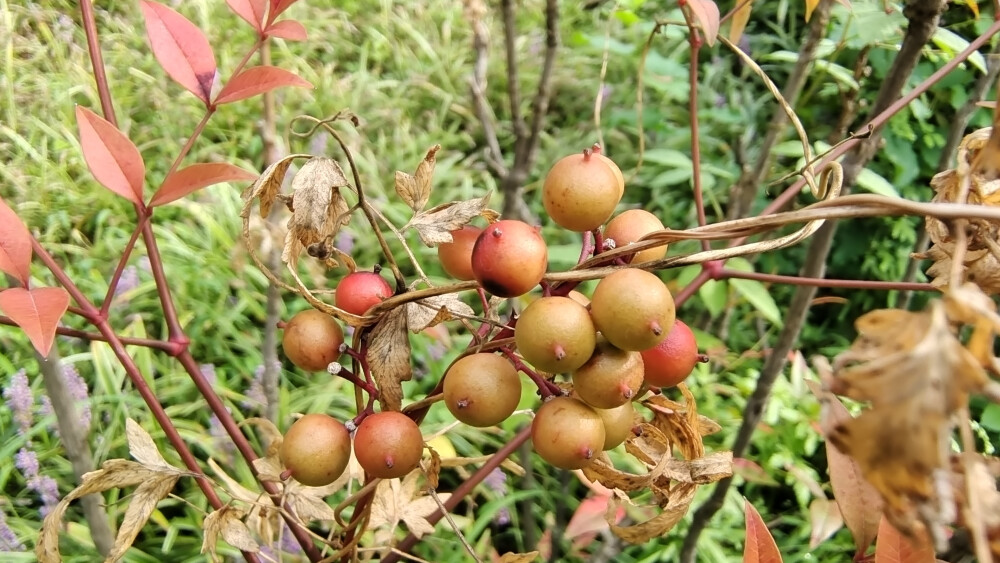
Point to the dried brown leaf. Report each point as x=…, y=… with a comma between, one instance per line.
x=269, y=468
x=677, y=505
x=227, y=522
x=739, y=20
x=233, y=487
x=309, y=503
x=416, y=190
x=389, y=358
x=319, y=209
x=143, y=449
x=434, y=226
x=269, y=432
x=433, y=469
x=709, y=469
x=142, y=504
x=511, y=557
x=437, y=309
x=268, y=185
x=113, y=474
x=398, y=501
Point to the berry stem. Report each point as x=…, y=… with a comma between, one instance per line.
x=545, y=387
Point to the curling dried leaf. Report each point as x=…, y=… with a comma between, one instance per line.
x=677, y=505
x=142, y=504
x=437, y=309
x=309, y=503
x=511, y=557
x=227, y=522
x=434, y=226
x=433, y=469
x=389, y=358
x=415, y=190
x=319, y=209
x=143, y=449
x=268, y=185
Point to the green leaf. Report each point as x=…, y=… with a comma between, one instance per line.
x=713, y=295
x=952, y=43
x=758, y=296
x=668, y=157
x=876, y=184
x=991, y=418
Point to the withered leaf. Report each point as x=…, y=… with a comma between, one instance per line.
x=437, y=309
x=416, y=190
x=511, y=557
x=144, y=500
x=398, y=501
x=673, y=511
x=825, y=520
x=272, y=436
x=267, y=186
x=434, y=226
x=227, y=522
x=269, y=468
x=143, y=449
x=319, y=208
x=113, y=474
x=760, y=546
x=233, y=487
x=389, y=358
x=709, y=469
x=433, y=469
x=308, y=503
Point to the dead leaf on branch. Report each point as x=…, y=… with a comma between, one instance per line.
x=511, y=557
x=389, y=357
x=227, y=522
x=268, y=186
x=143, y=449
x=915, y=373
x=319, y=210
x=141, y=505
x=437, y=309
x=415, y=190
x=398, y=501
x=434, y=226
x=672, y=513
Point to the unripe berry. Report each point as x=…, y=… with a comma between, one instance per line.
x=633, y=309
x=610, y=378
x=509, y=258
x=629, y=226
x=482, y=389
x=311, y=340
x=456, y=256
x=672, y=360
x=618, y=424
x=360, y=291
x=316, y=450
x=580, y=192
x=555, y=334
x=388, y=444
x=567, y=433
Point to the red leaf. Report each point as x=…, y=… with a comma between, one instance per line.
x=894, y=547
x=279, y=6
x=707, y=14
x=590, y=516
x=760, y=546
x=250, y=10
x=15, y=245
x=197, y=176
x=287, y=29
x=181, y=48
x=860, y=504
x=257, y=80
x=111, y=156
x=37, y=312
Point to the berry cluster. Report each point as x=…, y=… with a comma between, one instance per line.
x=609, y=346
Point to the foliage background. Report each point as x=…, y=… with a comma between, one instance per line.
x=404, y=68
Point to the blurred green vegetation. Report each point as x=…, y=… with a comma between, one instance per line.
x=404, y=69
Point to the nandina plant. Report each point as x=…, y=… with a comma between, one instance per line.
x=297, y=473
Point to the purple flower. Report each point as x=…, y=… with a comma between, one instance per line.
x=497, y=481
x=27, y=462
x=344, y=241
x=128, y=281
x=20, y=401
x=8, y=539
x=48, y=489
x=78, y=391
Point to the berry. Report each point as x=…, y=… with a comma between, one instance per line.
x=610, y=378
x=360, y=291
x=456, y=256
x=509, y=258
x=672, y=360
x=388, y=444
x=312, y=340
x=630, y=226
x=482, y=389
x=580, y=192
x=567, y=433
x=618, y=424
x=632, y=309
x=316, y=450
x=614, y=168
x=555, y=334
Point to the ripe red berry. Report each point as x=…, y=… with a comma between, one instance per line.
x=672, y=360
x=388, y=444
x=456, y=256
x=360, y=291
x=509, y=258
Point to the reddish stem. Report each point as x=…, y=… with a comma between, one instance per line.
x=545, y=387
x=694, y=39
x=96, y=336
x=126, y=254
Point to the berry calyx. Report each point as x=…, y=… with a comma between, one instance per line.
x=312, y=339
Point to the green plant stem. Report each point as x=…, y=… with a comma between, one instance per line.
x=465, y=489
